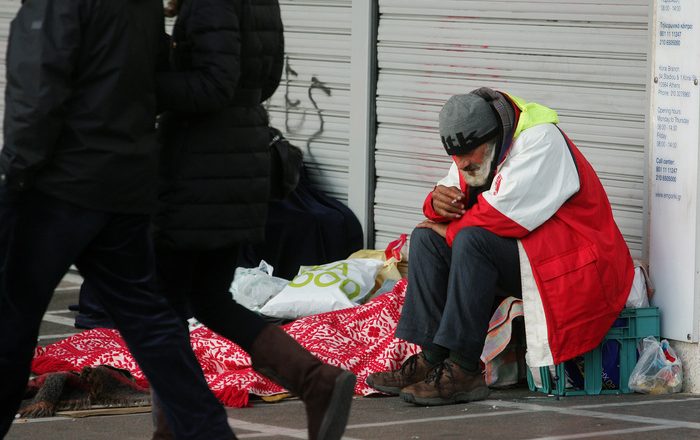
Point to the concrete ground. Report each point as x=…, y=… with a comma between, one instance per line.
x=510, y=414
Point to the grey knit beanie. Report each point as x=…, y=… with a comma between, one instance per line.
x=466, y=122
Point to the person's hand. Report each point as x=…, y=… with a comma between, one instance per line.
x=440, y=228
x=448, y=201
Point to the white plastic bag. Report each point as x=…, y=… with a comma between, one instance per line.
x=253, y=287
x=639, y=294
x=320, y=289
x=658, y=370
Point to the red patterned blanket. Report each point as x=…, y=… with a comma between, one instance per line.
x=360, y=339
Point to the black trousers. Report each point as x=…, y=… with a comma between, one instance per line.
x=40, y=237
x=198, y=282
x=91, y=314
x=452, y=292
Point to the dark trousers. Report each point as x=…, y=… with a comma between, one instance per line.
x=198, y=283
x=91, y=314
x=41, y=238
x=452, y=292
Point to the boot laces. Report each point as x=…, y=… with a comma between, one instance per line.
x=409, y=367
x=435, y=374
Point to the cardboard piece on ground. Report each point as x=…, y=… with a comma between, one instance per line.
x=104, y=411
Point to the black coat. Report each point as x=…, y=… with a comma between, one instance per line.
x=226, y=59
x=80, y=102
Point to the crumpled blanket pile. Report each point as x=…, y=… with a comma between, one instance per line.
x=360, y=339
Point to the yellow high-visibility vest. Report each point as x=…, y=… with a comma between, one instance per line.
x=532, y=114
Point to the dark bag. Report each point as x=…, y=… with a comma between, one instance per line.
x=307, y=228
x=285, y=165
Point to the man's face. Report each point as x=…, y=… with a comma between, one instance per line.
x=475, y=166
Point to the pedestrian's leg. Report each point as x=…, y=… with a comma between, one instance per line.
x=47, y=237
x=211, y=300
x=325, y=390
x=174, y=269
x=175, y=272
x=91, y=314
x=120, y=264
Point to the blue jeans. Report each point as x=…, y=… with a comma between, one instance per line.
x=40, y=237
x=452, y=292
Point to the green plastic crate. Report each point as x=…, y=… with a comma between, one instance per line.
x=632, y=326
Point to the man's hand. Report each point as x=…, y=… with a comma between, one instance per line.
x=448, y=201
x=440, y=228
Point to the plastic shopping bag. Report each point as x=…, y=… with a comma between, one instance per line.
x=658, y=371
x=318, y=289
x=391, y=257
x=254, y=287
x=642, y=288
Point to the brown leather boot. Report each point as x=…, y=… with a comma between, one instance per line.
x=411, y=371
x=325, y=390
x=445, y=384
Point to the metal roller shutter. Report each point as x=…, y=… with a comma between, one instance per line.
x=312, y=104
x=586, y=59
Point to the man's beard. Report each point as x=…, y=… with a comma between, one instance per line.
x=480, y=175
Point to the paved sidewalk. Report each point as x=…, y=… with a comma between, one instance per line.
x=507, y=415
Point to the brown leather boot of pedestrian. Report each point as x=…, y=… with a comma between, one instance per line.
x=325, y=390
x=411, y=371
x=446, y=384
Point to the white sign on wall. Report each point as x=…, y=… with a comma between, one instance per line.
x=675, y=107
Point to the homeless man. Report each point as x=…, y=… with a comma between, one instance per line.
x=520, y=213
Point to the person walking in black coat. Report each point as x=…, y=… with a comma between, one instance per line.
x=78, y=174
x=226, y=59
